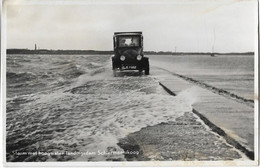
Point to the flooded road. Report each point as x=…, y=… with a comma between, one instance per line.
x=71, y=108
x=85, y=110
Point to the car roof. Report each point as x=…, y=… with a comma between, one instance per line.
x=127, y=33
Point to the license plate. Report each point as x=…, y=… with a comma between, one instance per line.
x=129, y=67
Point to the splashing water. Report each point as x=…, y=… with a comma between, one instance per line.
x=82, y=118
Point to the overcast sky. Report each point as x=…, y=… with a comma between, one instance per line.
x=186, y=25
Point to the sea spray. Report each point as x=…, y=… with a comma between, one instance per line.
x=189, y=95
x=88, y=113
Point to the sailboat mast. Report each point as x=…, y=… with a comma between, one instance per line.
x=212, y=52
x=214, y=40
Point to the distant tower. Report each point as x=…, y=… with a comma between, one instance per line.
x=35, y=47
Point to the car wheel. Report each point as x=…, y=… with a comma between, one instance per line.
x=147, y=68
x=147, y=71
x=113, y=64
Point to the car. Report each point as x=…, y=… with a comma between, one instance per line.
x=128, y=53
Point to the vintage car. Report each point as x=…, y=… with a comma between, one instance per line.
x=128, y=52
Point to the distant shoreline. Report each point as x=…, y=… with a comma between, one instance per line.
x=80, y=52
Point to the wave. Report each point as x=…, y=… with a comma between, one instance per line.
x=47, y=80
x=92, y=65
x=13, y=64
x=14, y=77
x=72, y=71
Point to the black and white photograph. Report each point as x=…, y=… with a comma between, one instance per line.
x=130, y=83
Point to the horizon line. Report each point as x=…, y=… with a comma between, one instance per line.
x=95, y=50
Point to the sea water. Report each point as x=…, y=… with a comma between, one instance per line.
x=71, y=107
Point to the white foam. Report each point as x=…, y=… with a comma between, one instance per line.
x=120, y=116
x=190, y=95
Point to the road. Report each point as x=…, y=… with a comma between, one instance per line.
x=186, y=137
x=94, y=116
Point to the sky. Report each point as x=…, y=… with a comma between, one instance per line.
x=181, y=25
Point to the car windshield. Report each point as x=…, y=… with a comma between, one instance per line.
x=128, y=41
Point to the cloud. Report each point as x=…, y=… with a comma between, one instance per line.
x=188, y=26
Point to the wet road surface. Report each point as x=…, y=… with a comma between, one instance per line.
x=89, y=115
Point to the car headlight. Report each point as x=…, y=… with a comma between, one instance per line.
x=139, y=57
x=122, y=58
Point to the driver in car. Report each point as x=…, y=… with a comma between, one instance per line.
x=122, y=43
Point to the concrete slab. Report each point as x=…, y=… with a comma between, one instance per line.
x=190, y=140
x=233, y=120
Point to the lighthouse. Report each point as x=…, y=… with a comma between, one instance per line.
x=35, y=47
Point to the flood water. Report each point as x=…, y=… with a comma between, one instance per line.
x=71, y=108
x=73, y=104
x=233, y=73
